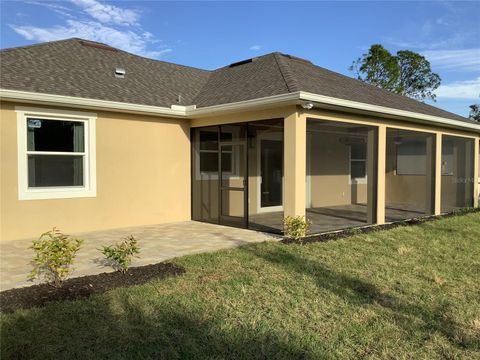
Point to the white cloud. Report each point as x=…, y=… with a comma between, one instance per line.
x=255, y=47
x=126, y=40
x=454, y=40
x=469, y=89
x=108, y=14
x=461, y=60
x=95, y=21
x=55, y=7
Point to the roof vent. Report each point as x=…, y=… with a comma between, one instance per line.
x=240, y=63
x=120, y=73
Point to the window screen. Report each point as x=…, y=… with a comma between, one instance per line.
x=411, y=158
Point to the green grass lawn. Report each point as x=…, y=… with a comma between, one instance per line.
x=407, y=293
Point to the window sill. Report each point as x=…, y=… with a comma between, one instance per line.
x=56, y=193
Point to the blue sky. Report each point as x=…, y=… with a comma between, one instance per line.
x=213, y=34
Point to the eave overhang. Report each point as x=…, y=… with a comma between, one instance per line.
x=192, y=112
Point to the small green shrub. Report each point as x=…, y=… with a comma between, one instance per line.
x=54, y=256
x=296, y=227
x=120, y=255
x=464, y=211
x=352, y=231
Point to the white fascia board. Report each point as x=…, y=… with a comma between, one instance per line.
x=189, y=112
x=275, y=100
x=84, y=103
x=412, y=116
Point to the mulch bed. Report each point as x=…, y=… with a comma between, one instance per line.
x=81, y=287
x=341, y=234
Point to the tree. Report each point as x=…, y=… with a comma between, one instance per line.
x=475, y=112
x=378, y=67
x=407, y=73
x=416, y=77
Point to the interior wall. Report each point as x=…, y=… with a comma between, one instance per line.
x=458, y=186
x=330, y=173
x=405, y=189
x=402, y=189
x=414, y=190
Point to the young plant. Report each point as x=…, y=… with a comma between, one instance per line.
x=54, y=256
x=120, y=255
x=296, y=227
x=352, y=231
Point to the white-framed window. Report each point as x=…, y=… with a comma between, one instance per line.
x=208, y=152
x=358, y=163
x=56, y=153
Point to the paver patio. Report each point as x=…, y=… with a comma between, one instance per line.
x=157, y=243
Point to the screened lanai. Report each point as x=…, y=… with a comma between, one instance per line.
x=238, y=175
x=355, y=173
x=340, y=175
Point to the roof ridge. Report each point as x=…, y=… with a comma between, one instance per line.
x=161, y=61
x=287, y=74
x=80, y=40
x=45, y=43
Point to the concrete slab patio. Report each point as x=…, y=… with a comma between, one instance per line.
x=157, y=243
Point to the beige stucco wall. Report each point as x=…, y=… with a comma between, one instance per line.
x=403, y=190
x=330, y=173
x=143, y=177
x=143, y=170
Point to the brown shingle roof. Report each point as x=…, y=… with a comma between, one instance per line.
x=278, y=73
x=317, y=80
x=81, y=68
x=75, y=67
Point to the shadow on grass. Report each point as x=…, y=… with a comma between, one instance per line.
x=359, y=292
x=137, y=323
x=133, y=328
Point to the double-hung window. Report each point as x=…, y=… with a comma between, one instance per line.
x=208, y=154
x=358, y=163
x=56, y=154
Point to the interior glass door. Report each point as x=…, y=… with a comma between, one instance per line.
x=271, y=165
x=233, y=182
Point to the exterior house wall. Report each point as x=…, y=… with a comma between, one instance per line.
x=142, y=173
x=329, y=156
